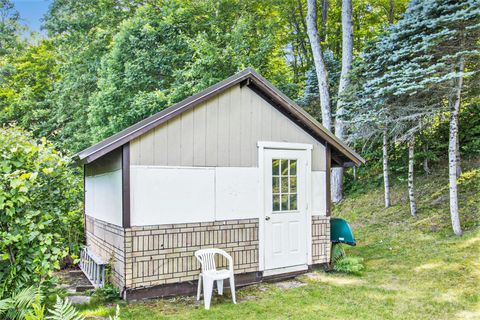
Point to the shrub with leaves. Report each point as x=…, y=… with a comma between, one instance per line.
x=344, y=264
x=21, y=304
x=105, y=294
x=40, y=210
x=28, y=304
x=349, y=265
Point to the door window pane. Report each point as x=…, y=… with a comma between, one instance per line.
x=276, y=202
x=284, y=167
x=293, y=202
x=293, y=184
x=293, y=167
x=276, y=167
x=284, y=185
x=275, y=184
x=285, y=202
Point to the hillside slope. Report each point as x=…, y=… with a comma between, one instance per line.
x=425, y=271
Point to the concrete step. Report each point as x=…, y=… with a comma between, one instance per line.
x=79, y=299
x=83, y=287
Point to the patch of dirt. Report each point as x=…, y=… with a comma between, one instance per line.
x=342, y=281
x=263, y=289
x=427, y=266
x=438, y=200
x=249, y=298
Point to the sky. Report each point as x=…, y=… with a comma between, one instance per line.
x=31, y=11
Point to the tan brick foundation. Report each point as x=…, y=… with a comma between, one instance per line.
x=157, y=261
x=164, y=254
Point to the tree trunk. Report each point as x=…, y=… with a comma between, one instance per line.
x=320, y=68
x=457, y=149
x=411, y=188
x=354, y=173
x=324, y=19
x=426, y=168
x=453, y=147
x=386, y=180
x=391, y=13
x=347, y=57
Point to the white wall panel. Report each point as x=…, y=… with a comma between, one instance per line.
x=236, y=193
x=163, y=195
x=319, y=205
x=103, y=197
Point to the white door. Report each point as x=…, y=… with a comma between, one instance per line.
x=285, y=208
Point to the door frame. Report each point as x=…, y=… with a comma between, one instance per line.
x=287, y=146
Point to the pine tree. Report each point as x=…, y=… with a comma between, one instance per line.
x=415, y=71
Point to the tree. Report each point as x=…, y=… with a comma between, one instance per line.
x=163, y=55
x=25, y=88
x=9, y=27
x=411, y=186
x=417, y=66
x=40, y=210
x=81, y=32
x=320, y=68
x=347, y=58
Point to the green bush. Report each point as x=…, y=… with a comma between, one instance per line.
x=40, y=210
x=29, y=304
x=106, y=294
x=349, y=265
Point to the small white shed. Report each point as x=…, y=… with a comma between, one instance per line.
x=238, y=166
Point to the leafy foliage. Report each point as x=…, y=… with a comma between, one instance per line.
x=27, y=81
x=63, y=310
x=40, y=202
x=28, y=304
x=405, y=77
x=107, y=293
x=343, y=263
x=349, y=265
x=21, y=303
x=9, y=28
x=159, y=57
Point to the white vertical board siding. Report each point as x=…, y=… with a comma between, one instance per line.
x=236, y=193
x=319, y=192
x=162, y=195
x=103, y=197
x=165, y=195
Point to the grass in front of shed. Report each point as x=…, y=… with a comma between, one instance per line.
x=415, y=268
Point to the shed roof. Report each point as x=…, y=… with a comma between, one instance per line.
x=341, y=153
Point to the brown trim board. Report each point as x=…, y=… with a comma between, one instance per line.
x=246, y=77
x=328, y=172
x=126, y=185
x=84, y=203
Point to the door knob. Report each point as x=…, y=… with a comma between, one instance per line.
x=267, y=218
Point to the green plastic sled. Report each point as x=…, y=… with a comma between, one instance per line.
x=341, y=232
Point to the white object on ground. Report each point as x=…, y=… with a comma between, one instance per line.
x=210, y=274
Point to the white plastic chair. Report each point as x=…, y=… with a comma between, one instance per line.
x=210, y=274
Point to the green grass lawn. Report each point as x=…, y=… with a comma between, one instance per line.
x=415, y=268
